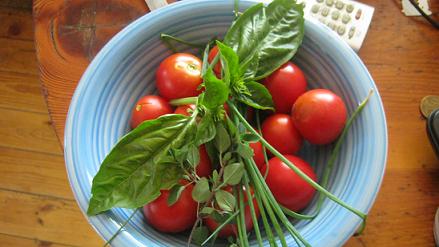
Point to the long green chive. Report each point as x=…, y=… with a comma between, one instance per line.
x=220, y=227
x=241, y=220
x=267, y=226
x=252, y=210
x=298, y=171
x=266, y=203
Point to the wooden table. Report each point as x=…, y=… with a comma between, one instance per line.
x=37, y=207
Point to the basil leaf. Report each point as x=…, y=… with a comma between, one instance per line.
x=259, y=98
x=233, y=173
x=230, y=63
x=193, y=155
x=266, y=37
x=175, y=194
x=137, y=167
x=216, y=93
x=222, y=139
x=225, y=200
x=201, y=191
x=206, y=130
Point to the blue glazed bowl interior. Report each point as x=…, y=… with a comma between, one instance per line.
x=125, y=70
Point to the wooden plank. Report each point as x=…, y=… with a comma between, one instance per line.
x=68, y=35
x=22, y=92
x=18, y=4
x=46, y=219
x=16, y=24
x=18, y=56
x=404, y=211
x=34, y=173
x=8, y=240
x=28, y=131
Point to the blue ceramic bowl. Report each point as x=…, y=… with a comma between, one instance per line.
x=125, y=69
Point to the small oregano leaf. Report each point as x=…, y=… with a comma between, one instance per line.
x=201, y=191
x=233, y=173
x=225, y=200
x=245, y=151
x=249, y=137
x=200, y=234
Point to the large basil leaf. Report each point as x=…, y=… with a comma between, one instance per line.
x=138, y=166
x=259, y=97
x=266, y=37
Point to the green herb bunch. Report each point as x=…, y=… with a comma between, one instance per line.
x=159, y=153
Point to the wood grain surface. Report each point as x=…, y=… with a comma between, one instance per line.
x=37, y=207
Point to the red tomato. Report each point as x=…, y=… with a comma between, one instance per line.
x=285, y=85
x=279, y=131
x=183, y=109
x=258, y=153
x=179, y=76
x=232, y=229
x=217, y=67
x=149, y=107
x=204, y=167
x=319, y=115
x=176, y=218
x=287, y=187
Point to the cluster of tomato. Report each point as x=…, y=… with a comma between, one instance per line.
x=317, y=116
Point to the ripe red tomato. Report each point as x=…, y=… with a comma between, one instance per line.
x=285, y=85
x=217, y=67
x=279, y=131
x=176, y=218
x=258, y=156
x=179, y=76
x=287, y=187
x=183, y=109
x=319, y=115
x=204, y=167
x=149, y=107
x=232, y=229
